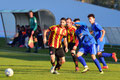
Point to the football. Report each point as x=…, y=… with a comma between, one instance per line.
x=9, y=72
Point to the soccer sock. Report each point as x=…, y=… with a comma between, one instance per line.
x=102, y=61
x=57, y=66
x=53, y=63
x=97, y=64
x=74, y=59
x=82, y=60
x=58, y=62
x=107, y=54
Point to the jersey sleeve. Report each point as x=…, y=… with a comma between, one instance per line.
x=35, y=22
x=65, y=33
x=98, y=27
x=51, y=28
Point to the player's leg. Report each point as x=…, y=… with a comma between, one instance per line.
x=82, y=60
x=96, y=62
x=73, y=54
x=100, y=48
x=93, y=52
x=61, y=55
x=61, y=61
x=52, y=58
x=35, y=42
x=75, y=59
x=113, y=55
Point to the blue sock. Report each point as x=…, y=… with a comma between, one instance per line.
x=106, y=54
x=97, y=64
x=82, y=60
x=102, y=61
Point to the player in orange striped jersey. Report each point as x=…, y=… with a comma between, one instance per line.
x=72, y=41
x=57, y=32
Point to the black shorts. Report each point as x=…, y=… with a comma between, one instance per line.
x=34, y=35
x=70, y=46
x=59, y=52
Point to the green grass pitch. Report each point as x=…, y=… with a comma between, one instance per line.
x=37, y=67
x=31, y=66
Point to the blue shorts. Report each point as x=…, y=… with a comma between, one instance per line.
x=88, y=49
x=100, y=46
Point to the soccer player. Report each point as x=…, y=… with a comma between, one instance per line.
x=57, y=32
x=99, y=34
x=88, y=45
x=33, y=27
x=72, y=42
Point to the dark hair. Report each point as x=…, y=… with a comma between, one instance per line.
x=69, y=18
x=91, y=15
x=63, y=18
x=30, y=11
x=76, y=19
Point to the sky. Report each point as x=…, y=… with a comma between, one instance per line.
x=65, y=8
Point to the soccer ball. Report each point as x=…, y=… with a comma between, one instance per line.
x=9, y=72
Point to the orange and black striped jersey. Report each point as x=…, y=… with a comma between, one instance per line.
x=71, y=34
x=71, y=37
x=56, y=35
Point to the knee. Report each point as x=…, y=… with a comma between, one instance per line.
x=99, y=54
x=63, y=61
x=52, y=58
x=72, y=52
x=78, y=54
x=93, y=57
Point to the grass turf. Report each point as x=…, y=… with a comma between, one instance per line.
x=31, y=66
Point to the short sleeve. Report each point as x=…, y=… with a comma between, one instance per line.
x=99, y=27
x=51, y=28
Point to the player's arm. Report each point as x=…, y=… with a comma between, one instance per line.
x=103, y=34
x=65, y=43
x=76, y=43
x=102, y=30
x=44, y=35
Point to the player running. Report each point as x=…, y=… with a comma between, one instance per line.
x=57, y=32
x=88, y=43
x=72, y=42
x=99, y=34
x=33, y=27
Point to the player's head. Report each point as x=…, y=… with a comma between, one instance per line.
x=76, y=20
x=62, y=22
x=30, y=14
x=69, y=22
x=91, y=18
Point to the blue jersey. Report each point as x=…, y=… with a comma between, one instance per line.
x=97, y=31
x=84, y=36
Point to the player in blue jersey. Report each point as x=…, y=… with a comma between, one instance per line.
x=88, y=43
x=99, y=34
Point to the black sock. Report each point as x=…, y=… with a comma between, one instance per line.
x=57, y=66
x=53, y=63
x=75, y=59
